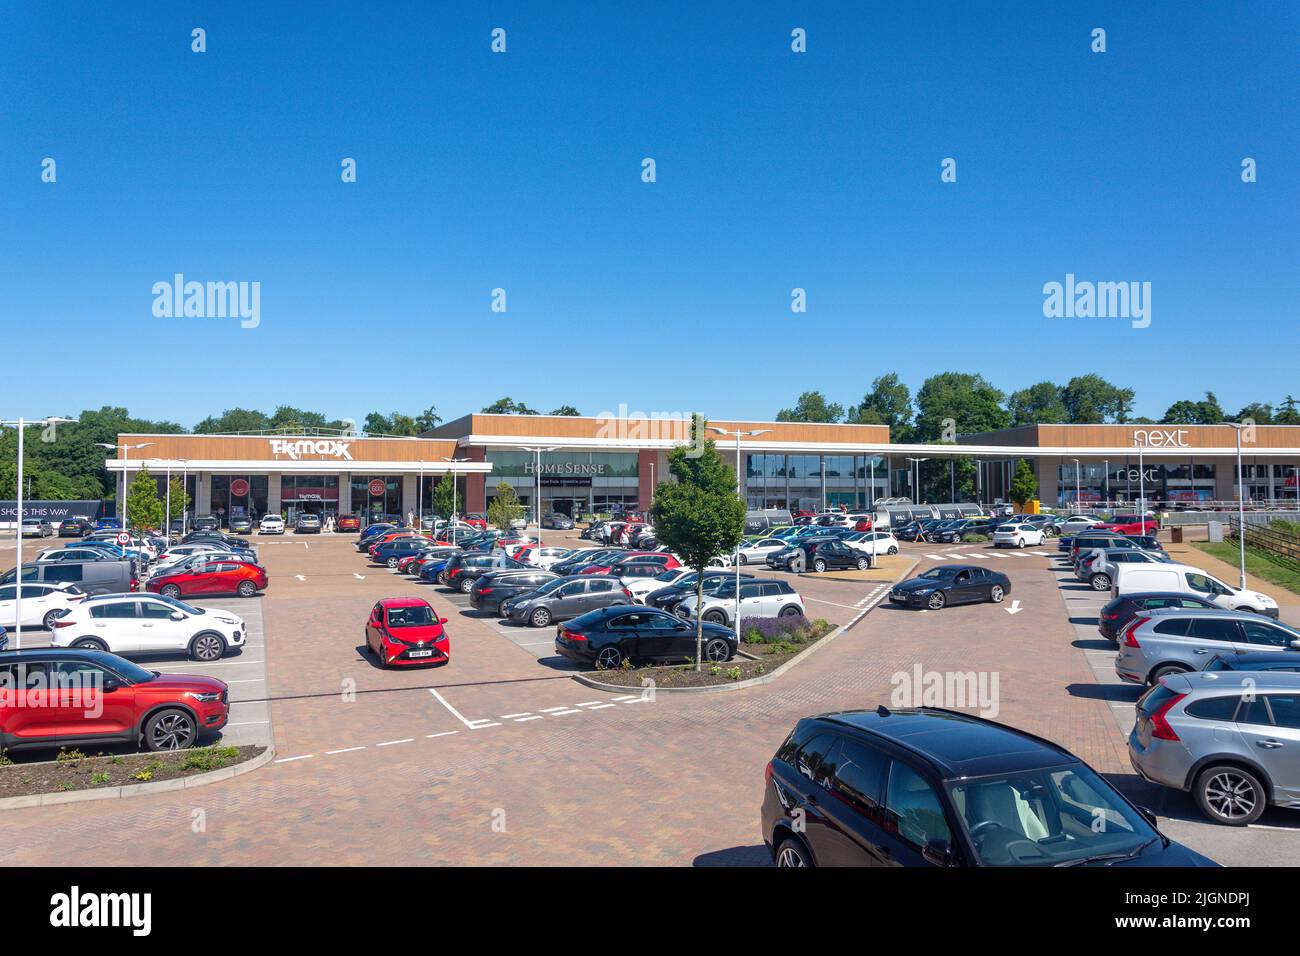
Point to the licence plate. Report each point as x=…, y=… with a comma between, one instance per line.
x=420, y=654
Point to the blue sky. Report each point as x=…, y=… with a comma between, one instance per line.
x=522, y=171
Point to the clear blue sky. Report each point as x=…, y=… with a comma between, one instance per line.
x=523, y=171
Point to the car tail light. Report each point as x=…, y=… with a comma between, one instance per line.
x=484, y=590
x=627, y=592
x=135, y=584
x=574, y=636
x=1160, y=728
x=1127, y=632
x=58, y=622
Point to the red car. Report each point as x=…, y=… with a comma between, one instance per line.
x=406, y=632
x=640, y=557
x=348, y=523
x=1129, y=524
x=223, y=577
x=863, y=524
x=69, y=697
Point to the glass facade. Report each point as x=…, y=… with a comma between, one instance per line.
x=309, y=494
x=1171, y=481
x=814, y=481
x=225, y=505
x=572, y=482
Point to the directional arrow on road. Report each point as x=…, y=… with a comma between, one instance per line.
x=300, y=577
x=1015, y=608
x=359, y=577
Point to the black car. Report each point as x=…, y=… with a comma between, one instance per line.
x=491, y=589
x=1254, y=661
x=1118, y=612
x=932, y=787
x=951, y=584
x=560, y=522
x=604, y=639
x=198, y=537
x=667, y=598
x=818, y=554
x=463, y=569
x=958, y=531
x=74, y=528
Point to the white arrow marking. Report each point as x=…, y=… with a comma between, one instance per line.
x=1015, y=607
x=300, y=577
x=359, y=577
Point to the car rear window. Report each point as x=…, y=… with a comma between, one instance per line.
x=1214, y=708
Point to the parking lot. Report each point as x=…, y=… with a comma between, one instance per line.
x=499, y=757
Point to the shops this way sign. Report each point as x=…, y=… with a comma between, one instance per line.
x=51, y=510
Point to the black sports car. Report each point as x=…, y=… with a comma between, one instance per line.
x=951, y=584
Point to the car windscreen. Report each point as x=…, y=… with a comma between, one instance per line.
x=181, y=605
x=414, y=616
x=937, y=574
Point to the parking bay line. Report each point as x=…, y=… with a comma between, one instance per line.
x=479, y=724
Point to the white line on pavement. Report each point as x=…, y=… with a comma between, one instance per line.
x=551, y=710
x=345, y=750
x=601, y=706
x=521, y=720
x=513, y=716
x=561, y=713
x=445, y=733
x=389, y=743
x=292, y=759
x=588, y=703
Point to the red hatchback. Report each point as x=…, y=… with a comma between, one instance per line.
x=407, y=632
x=61, y=697
x=219, y=577
x=348, y=523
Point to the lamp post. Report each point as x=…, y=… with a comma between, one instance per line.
x=1105, y=464
x=1078, y=501
x=21, y=425
x=419, y=501
x=1237, y=428
x=916, y=478
x=185, y=492
x=452, y=519
x=126, y=458
x=740, y=493
x=1142, y=486
x=537, y=499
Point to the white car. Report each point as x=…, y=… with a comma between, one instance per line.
x=546, y=557
x=756, y=552
x=42, y=603
x=641, y=588
x=270, y=524
x=130, y=624
x=1076, y=523
x=70, y=553
x=1017, y=536
x=872, y=542
x=757, y=599
x=724, y=561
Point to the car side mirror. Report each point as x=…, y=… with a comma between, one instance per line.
x=1149, y=816
x=111, y=684
x=937, y=852
x=1295, y=645
x=442, y=620
x=177, y=616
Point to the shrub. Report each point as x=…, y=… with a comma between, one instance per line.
x=773, y=629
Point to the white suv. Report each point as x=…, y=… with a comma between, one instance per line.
x=129, y=624
x=1017, y=535
x=761, y=598
x=270, y=524
x=42, y=603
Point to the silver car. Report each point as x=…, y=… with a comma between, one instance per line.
x=1097, y=567
x=1167, y=641
x=566, y=598
x=1231, y=739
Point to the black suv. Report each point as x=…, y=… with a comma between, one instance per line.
x=819, y=554
x=931, y=787
x=74, y=528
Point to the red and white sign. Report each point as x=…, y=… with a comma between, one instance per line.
x=239, y=488
x=377, y=487
x=123, y=538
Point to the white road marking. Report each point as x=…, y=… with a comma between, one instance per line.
x=246, y=723
x=626, y=697
x=831, y=603
x=345, y=750
x=588, y=703
x=445, y=733
x=601, y=706
x=535, y=643
x=389, y=743
x=524, y=719
x=300, y=577
x=292, y=759
x=471, y=724
x=551, y=710
x=561, y=713
x=513, y=716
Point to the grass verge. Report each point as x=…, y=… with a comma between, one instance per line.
x=1262, y=564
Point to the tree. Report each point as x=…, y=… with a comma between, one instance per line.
x=233, y=420
x=968, y=400
x=428, y=419
x=1287, y=413
x=1041, y=404
x=1024, y=485
x=1090, y=399
x=888, y=403
x=180, y=501
x=143, y=509
x=444, y=498
x=811, y=407
x=1261, y=413
x=505, y=507
x=1185, y=412
x=698, y=516
x=567, y=410
x=508, y=406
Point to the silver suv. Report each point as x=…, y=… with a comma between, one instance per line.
x=1157, y=643
x=1231, y=739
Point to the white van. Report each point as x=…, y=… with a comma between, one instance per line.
x=1185, y=579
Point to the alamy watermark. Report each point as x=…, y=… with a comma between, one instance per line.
x=680, y=427
x=956, y=690
x=1101, y=300
x=208, y=300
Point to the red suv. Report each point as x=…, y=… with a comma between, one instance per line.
x=1129, y=524
x=407, y=632
x=348, y=523
x=219, y=577
x=58, y=697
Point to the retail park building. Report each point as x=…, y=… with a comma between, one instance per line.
x=596, y=464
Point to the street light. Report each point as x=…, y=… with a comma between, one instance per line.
x=537, y=499
x=419, y=501
x=21, y=424
x=1237, y=428
x=126, y=457
x=740, y=493
x=185, y=491
x=452, y=518
x=1078, y=505
x=916, y=478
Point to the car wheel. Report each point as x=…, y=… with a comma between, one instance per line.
x=1230, y=795
x=893, y=549
x=997, y=593
x=792, y=853
x=207, y=647
x=744, y=560
x=819, y=566
x=864, y=564
x=715, y=617
x=89, y=644
x=170, y=590
x=790, y=610
x=392, y=562
x=1166, y=670
x=442, y=578
x=1100, y=582
x=466, y=585
x=936, y=601
x=247, y=589
x=51, y=617
x=1020, y=542
x=717, y=651
x=540, y=617
x=609, y=658
x=169, y=729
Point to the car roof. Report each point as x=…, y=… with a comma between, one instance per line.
x=1220, y=612
x=960, y=745
x=1261, y=681
x=403, y=602
x=1242, y=659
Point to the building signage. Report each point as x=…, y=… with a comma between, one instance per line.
x=377, y=487
x=1160, y=437
x=51, y=510
x=565, y=481
x=239, y=487
x=328, y=447
x=560, y=468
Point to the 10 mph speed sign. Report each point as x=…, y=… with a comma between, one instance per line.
x=123, y=538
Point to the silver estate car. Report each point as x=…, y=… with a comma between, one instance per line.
x=1167, y=641
x=1229, y=738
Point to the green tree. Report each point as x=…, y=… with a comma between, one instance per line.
x=811, y=407
x=698, y=516
x=1041, y=404
x=444, y=498
x=969, y=401
x=180, y=501
x=233, y=420
x=508, y=406
x=428, y=419
x=1287, y=412
x=1090, y=400
x=1024, y=485
x=567, y=410
x=1185, y=412
x=888, y=403
x=1261, y=413
x=505, y=507
x=143, y=509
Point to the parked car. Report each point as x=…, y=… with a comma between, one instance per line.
x=872, y=542
x=74, y=528
x=72, y=552
x=566, y=598
x=1254, y=661
x=1234, y=745
x=199, y=537
x=560, y=522
x=1130, y=524
x=42, y=603
x=605, y=638
x=92, y=577
x=758, y=598
x=405, y=632
x=241, y=525
x=348, y=523
x=818, y=554
x=1018, y=536
x=108, y=524
x=662, y=559
x=307, y=524
x=1092, y=540
x=390, y=553
x=205, y=523
x=962, y=529
x=490, y=589
x=270, y=524
x=670, y=594
x=130, y=624
x=121, y=702
x=1119, y=611
x=951, y=584
x=1076, y=523
x=37, y=528
x=218, y=577
x=1157, y=643
x=1097, y=568
x=756, y=550
x=1185, y=579
x=463, y=568
x=930, y=787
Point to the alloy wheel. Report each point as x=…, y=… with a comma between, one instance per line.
x=208, y=647
x=172, y=731
x=608, y=658
x=1230, y=795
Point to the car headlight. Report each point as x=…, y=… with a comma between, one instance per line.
x=230, y=620
x=205, y=698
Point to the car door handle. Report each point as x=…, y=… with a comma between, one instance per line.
x=1268, y=744
x=1201, y=650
